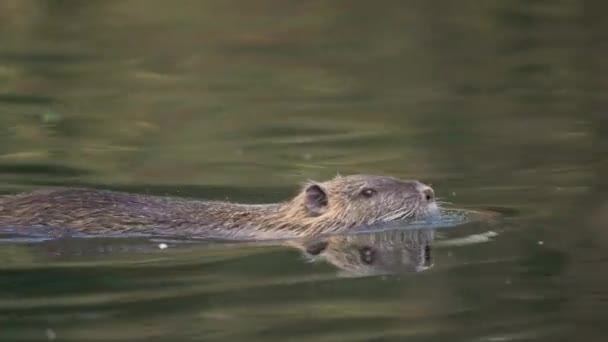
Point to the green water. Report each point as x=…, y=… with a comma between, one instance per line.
x=500, y=105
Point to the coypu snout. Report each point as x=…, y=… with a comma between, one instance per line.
x=427, y=195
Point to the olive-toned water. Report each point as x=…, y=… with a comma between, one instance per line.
x=500, y=105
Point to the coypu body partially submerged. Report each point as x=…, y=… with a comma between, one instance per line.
x=333, y=206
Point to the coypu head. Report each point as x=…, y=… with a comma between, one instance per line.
x=350, y=201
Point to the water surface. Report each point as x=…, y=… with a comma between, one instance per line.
x=499, y=105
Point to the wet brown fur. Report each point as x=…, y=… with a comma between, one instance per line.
x=101, y=212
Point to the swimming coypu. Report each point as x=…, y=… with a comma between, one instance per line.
x=321, y=207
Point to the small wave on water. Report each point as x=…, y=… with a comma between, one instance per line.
x=447, y=218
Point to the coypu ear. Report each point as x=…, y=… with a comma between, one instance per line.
x=316, y=199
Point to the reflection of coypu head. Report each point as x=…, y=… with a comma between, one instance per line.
x=386, y=252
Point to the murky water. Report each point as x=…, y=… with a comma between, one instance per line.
x=499, y=105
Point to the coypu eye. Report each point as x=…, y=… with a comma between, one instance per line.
x=367, y=192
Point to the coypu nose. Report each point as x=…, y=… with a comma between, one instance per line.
x=428, y=194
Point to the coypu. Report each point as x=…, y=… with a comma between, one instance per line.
x=333, y=206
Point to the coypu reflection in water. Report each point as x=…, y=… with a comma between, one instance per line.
x=377, y=253
x=353, y=255
x=333, y=206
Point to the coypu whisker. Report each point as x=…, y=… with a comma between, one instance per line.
x=397, y=215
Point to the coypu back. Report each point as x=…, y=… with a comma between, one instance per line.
x=101, y=212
